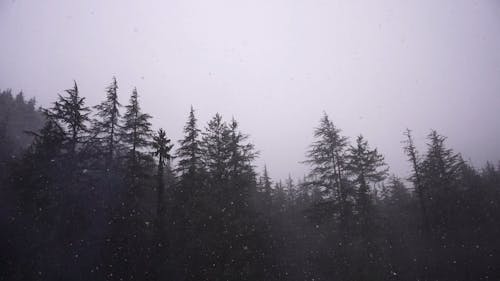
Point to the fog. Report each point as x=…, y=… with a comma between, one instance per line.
x=90, y=191
x=376, y=68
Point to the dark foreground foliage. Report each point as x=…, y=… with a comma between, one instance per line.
x=95, y=194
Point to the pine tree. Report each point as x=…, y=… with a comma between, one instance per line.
x=241, y=155
x=441, y=165
x=127, y=252
x=416, y=177
x=71, y=111
x=42, y=203
x=48, y=142
x=228, y=161
x=279, y=197
x=188, y=195
x=107, y=126
x=189, y=153
x=136, y=133
x=39, y=167
x=265, y=189
x=442, y=173
x=265, y=182
x=395, y=192
x=367, y=166
x=215, y=148
x=327, y=157
x=226, y=212
x=161, y=145
x=291, y=189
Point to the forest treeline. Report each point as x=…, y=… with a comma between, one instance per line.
x=93, y=193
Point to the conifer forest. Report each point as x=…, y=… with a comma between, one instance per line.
x=92, y=192
x=249, y=140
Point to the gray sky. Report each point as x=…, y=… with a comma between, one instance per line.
x=376, y=67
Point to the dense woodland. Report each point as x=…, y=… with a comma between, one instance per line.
x=92, y=193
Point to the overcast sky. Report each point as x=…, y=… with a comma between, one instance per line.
x=376, y=67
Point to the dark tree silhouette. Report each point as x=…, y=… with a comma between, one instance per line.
x=327, y=157
x=107, y=125
x=161, y=146
x=366, y=166
x=80, y=203
x=416, y=177
x=71, y=112
x=136, y=133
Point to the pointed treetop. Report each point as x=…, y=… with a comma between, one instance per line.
x=161, y=145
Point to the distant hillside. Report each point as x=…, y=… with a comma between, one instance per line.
x=17, y=117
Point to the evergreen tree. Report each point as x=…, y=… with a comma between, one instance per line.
x=37, y=171
x=291, y=190
x=265, y=191
x=227, y=212
x=136, y=133
x=416, y=177
x=442, y=173
x=42, y=199
x=161, y=145
x=128, y=250
x=71, y=112
x=327, y=157
x=215, y=148
x=265, y=182
x=107, y=126
x=190, y=164
x=188, y=196
x=241, y=156
x=395, y=192
x=367, y=166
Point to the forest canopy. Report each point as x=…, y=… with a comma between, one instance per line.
x=94, y=193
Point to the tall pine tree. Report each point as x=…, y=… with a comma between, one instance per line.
x=442, y=173
x=327, y=157
x=71, y=112
x=215, y=147
x=366, y=166
x=416, y=177
x=107, y=124
x=161, y=146
x=189, y=154
x=136, y=133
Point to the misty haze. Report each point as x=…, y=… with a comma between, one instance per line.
x=249, y=140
